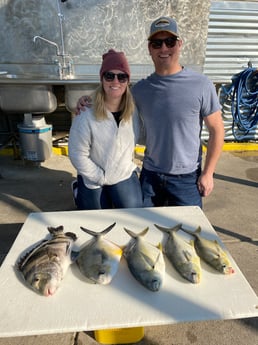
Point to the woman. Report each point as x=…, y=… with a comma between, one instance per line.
x=102, y=140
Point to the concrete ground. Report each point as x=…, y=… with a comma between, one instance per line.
x=231, y=209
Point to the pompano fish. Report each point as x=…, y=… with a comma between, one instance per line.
x=182, y=254
x=99, y=258
x=145, y=261
x=211, y=252
x=44, y=267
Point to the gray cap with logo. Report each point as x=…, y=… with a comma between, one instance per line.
x=163, y=24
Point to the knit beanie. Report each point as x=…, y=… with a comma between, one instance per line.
x=114, y=60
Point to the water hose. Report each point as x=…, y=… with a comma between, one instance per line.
x=244, y=102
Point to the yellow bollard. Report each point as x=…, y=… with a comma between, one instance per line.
x=119, y=335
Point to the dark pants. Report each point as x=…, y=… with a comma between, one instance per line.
x=170, y=190
x=125, y=194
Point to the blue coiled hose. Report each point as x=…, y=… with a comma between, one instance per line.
x=244, y=102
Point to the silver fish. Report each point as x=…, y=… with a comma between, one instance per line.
x=211, y=252
x=145, y=261
x=99, y=258
x=44, y=267
x=182, y=254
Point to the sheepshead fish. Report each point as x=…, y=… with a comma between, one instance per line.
x=145, y=261
x=44, y=267
x=182, y=254
x=99, y=258
x=211, y=252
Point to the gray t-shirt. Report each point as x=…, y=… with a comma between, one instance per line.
x=172, y=108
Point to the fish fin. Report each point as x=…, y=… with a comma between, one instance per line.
x=198, y=230
x=150, y=265
x=192, y=243
x=101, y=233
x=187, y=255
x=168, y=230
x=157, y=260
x=134, y=235
x=118, y=251
x=219, y=249
x=217, y=245
x=160, y=247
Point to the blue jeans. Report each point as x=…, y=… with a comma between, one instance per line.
x=125, y=194
x=170, y=190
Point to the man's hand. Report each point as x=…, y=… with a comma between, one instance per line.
x=83, y=103
x=205, y=184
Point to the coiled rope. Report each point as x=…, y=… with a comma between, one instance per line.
x=244, y=102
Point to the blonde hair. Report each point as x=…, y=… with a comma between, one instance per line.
x=126, y=105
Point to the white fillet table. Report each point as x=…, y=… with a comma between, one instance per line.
x=81, y=306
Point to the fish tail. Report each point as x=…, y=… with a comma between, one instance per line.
x=168, y=230
x=195, y=232
x=134, y=235
x=55, y=231
x=96, y=234
x=71, y=235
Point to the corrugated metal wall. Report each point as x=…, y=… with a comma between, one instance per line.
x=232, y=39
x=232, y=43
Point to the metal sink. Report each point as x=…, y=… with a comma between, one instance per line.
x=29, y=88
x=27, y=98
x=73, y=92
x=32, y=92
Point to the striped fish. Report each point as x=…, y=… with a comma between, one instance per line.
x=44, y=267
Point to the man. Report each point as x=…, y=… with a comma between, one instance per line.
x=174, y=101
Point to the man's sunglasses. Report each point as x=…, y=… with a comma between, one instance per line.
x=170, y=42
x=110, y=76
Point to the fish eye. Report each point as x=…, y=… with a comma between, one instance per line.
x=155, y=283
x=36, y=278
x=36, y=282
x=101, y=272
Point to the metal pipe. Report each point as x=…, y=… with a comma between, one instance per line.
x=61, y=18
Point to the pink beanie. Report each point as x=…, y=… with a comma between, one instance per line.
x=114, y=60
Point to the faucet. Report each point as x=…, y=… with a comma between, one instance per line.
x=65, y=66
x=35, y=38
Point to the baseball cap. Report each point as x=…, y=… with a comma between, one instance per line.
x=163, y=24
